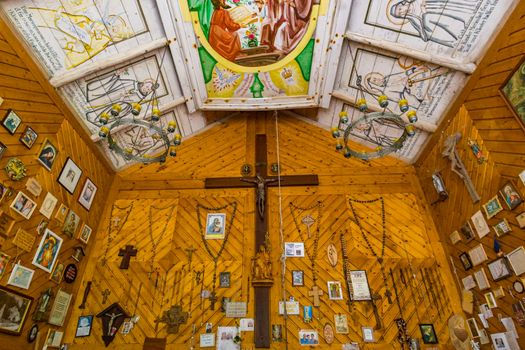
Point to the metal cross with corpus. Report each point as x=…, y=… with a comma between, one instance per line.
x=261, y=181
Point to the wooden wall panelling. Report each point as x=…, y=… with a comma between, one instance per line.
x=23, y=89
x=458, y=209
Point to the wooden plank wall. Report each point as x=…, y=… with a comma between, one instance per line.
x=486, y=118
x=22, y=90
x=303, y=148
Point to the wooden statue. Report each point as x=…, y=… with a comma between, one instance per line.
x=262, y=264
x=450, y=152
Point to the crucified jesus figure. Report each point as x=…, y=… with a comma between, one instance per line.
x=261, y=191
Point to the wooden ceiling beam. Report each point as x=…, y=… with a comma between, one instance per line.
x=465, y=67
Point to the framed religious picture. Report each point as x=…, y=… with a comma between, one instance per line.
x=297, y=278
x=3, y=148
x=468, y=282
x=59, y=310
x=28, y=137
x=47, y=154
x=502, y=228
x=368, y=334
x=61, y=214
x=224, y=280
x=465, y=261
x=47, y=252
x=477, y=255
x=308, y=337
x=33, y=186
x=499, y=269
x=500, y=341
x=53, y=338
x=84, y=326
x=70, y=175
x=42, y=305
x=23, y=205
x=87, y=195
x=499, y=292
x=518, y=286
x=341, y=324
x=215, y=226
x=32, y=334
x=510, y=195
x=84, y=234
x=520, y=218
x=491, y=301
x=360, y=288
x=21, y=276
x=428, y=334
x=512, y=92
x=455, y=237
x=335, y=292
x=16, y=308
x=467, y=234
x=516, y=260
x=277, y=333
x=71, y=224
x=11, y=121
x=308, y=313
x=42, y=225
x=48, y=205
x=4, y=260
x=481, y=279
x=58, y=272
x=480, y=224
x=473, y=327
x=492, y=207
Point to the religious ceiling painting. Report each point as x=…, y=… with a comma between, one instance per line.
x=448, y=28
x=255, y=48
x=429, y=89
x=66, y=34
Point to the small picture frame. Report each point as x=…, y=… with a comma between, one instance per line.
x=510, y=195
x=335, y=292
x=11, y=121
x=87, y=195
x=518, y=286
x=368, y=334
x=70, y=175
x=47, y=251
x=455, y=237
x=491, y=301
x=477, y=255
x=48, y=205
x=502, y=228
x=473, y=327
x=480, y=224
x=516, y=260
x=224, y=280
x=297, y=278
x=308, y=337
x=85, y=233
x=500, y=341
x=499, y=292
x=465, y=261
x=28, y=137
x=32, y=334
x=21, y=277
x=341, y=324
x=294, y=249
x=21, y=304
x=467, y=234
x=84, y=326
x=71, y=224
x=481, y=279
x=428, y=334
x=215, y=225
x=47, y=154
x=42, y=225
x=57, y=273
x=492, y=207
x=53, y=338
x=4, y=260
x=520, y=219
x=23, y=205
x=3, y=149
x=468, y=282
x=61, y=214
x=33, y=186
x=499, y=269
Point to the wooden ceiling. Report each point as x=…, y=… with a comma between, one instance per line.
x=100, y=53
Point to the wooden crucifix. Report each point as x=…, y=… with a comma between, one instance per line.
x=126, y=253
x=261, y=181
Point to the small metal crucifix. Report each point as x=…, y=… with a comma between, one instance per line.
x=316, y=293
x=308, y=220
x=105, y=295
x=126, y=254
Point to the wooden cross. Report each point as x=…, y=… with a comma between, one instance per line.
x=316, y=293
x=213, y=299
x=105, y=295
x=126, y=254
x=174, y=317
x=261, y=181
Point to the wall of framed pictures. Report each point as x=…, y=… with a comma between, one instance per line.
x=38, y=136
x=487, y=119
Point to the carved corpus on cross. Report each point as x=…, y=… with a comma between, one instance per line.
x=112, y=318
x=126, y=253
x=261, y=182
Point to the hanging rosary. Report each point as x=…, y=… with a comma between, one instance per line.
x=308, y=221
x=215, y=258
x=155, y=244
x=380, y=258
x=114, y=221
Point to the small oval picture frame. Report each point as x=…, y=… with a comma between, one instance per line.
x=32, y=334
x=518, y=287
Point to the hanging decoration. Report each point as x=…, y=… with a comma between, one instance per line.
x=115, y=221
x=123, y=114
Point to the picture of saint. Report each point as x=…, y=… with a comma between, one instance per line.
x=510, y=195
x=71, y=224
x=11, y=121
x=56, y=275
x=88, y=194
x=334, y=290
x=47, y=155
x=28, y=137
x=277, y=332
x=47, y=251
x=215, y=226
